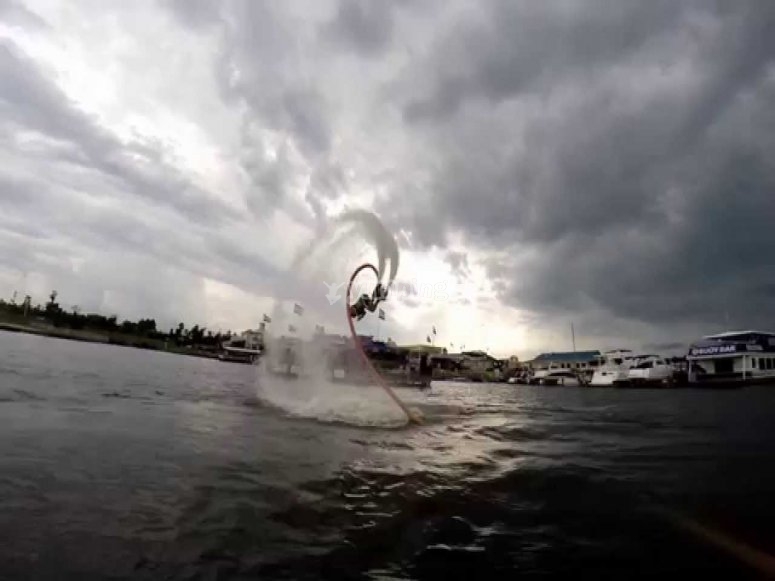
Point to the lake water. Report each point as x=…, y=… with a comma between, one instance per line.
x=118, y=463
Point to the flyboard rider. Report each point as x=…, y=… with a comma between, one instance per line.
x=368, y=303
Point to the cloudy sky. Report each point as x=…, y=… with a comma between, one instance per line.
x=602, y=162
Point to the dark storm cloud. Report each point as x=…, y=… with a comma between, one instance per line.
x=30, y=101
x=305, y=115
x=513, y=47
x=620, y=153
x=666, y=347
x=362, y=26
x=265, y=64
x=258, y=67
x=327, y=181
x=607, y=159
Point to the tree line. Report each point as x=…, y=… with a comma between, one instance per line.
x=55, y=315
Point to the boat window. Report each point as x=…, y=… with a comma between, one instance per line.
x=723, y=365
x=753, y=361
x=618, y=360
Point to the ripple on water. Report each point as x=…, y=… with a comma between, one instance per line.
x=20, y=395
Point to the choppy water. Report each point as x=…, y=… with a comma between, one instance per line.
x=118, y=463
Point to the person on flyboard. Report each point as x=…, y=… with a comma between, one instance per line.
x=368, y=303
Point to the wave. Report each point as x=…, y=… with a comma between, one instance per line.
x=324, y=401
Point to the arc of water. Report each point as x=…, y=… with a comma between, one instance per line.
x=359, y=346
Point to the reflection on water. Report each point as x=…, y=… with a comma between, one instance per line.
x=118, y=463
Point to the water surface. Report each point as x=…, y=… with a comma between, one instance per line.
x=118, y=463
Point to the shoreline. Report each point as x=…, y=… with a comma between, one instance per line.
x=118, y=339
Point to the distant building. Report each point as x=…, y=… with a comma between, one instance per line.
x=249, y=339
x=332, y=340
x=479, y=361
x=423, y=348
x=451, y=363
x=566, y=360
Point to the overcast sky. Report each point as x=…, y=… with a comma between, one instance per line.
x=602, y=162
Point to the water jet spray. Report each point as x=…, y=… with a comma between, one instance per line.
x=358, y=311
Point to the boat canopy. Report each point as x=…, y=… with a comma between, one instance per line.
x=732, y=344
x=740, y=335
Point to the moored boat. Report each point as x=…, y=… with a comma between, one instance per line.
x=239, y=355
x=650, y=370
x=563, y=377
x=244, y=348
x=612, y=368
x=732, y=359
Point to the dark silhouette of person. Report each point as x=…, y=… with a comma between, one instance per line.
x=368, y=303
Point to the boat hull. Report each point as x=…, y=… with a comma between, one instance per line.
x=660, y=376
x=607, y=378
x=247, y=359
x=645, y=382
x=731, y=381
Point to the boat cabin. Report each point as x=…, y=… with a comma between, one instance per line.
x=735, y=357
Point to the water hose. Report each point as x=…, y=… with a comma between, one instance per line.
x=413, y=418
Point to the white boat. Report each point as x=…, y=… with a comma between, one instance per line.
x=538, y=376
x=732, y=358
x=239, y=355
x=244, y=348
x=612, y=368
x=650, y=369
x=564, y=377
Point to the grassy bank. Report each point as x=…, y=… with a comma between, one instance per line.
x=33, y=327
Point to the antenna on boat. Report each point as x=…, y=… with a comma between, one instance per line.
x=573, y=336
